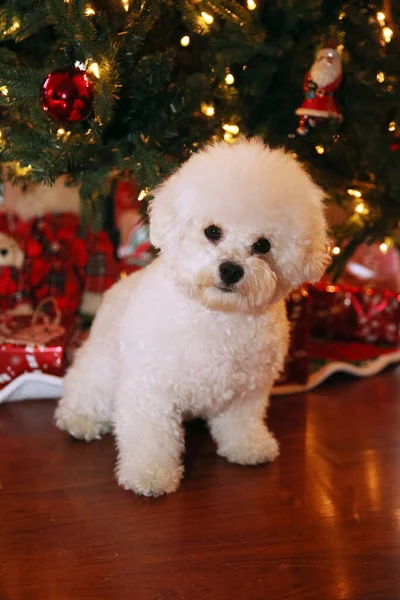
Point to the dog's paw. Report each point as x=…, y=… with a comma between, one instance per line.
x=150, y=482
x=255, y=450
x=80, y=426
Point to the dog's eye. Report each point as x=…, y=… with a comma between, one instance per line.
x=213, y=233
x=4, y=251
x=261, y=246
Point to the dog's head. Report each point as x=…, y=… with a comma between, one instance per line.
x=240, y=225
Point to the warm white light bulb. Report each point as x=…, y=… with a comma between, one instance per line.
x=16, y=25
x=89, y=11
x=360, y=208
x=125, y=4
x=4, y=90
x=94, y=69
x=60, y=132
x=387, y=34
x=383, y=248
x=229, y=79
x=207, y=109
x=143, y=194
x=392, y=126
x=380, y=16
x=320, y=149
x=380, y=77
x=355, y=193
x=209, y=19
x=228, y=137
x=251, y=5
x=234, y=129
x=185, y=41
x=336, y=250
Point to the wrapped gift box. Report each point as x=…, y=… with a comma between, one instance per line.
x=32, y=345
x=372, y=268
x=344, y=312
x=339, y=328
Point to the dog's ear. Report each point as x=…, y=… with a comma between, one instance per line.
x=316, y=252
x=317, y=259
x=162, y=216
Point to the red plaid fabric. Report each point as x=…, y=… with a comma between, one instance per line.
x=59, y=262
x=12, y=287
x=102, y=269
x=56, y=258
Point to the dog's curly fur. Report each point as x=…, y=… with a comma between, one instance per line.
x=174, y=342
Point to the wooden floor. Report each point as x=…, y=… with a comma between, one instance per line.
x=321, y=523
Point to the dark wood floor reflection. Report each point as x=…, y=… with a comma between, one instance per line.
x=322, y=522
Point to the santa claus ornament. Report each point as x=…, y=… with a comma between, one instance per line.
x=320, y=85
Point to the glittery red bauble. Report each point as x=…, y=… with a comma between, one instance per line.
x=67, y=95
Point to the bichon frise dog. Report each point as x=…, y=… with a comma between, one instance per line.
x=202, y=331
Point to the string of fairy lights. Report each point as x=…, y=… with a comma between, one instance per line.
x=360, y=207
x=387, y=32
x=361, y=211
x=229, y=130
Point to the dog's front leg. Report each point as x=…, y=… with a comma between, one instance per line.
x=150, y=442
x=241, y=433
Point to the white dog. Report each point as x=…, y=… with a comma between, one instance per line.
x=202, y=331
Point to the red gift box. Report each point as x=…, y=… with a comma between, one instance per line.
x=343, y=312
x=33, y=344
x=298, y=306
x=373, y=268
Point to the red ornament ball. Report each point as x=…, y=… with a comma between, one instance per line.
x=67, y=95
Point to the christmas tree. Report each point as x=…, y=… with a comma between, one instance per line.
x=144, y=83
x=147, y=82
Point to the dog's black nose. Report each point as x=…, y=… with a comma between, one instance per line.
x=230, y=272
